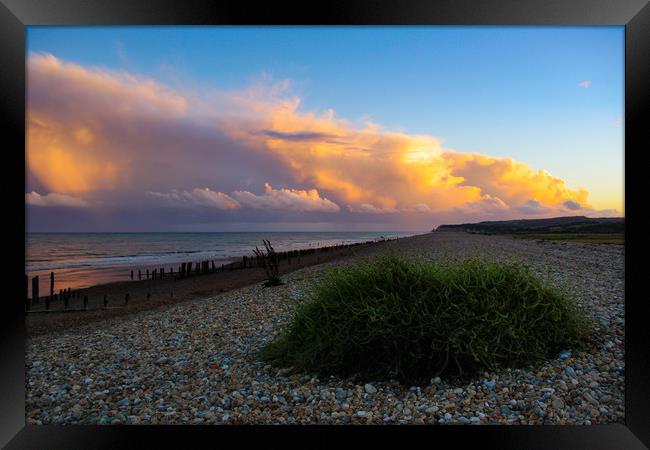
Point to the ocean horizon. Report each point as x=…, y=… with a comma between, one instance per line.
x=83, y=259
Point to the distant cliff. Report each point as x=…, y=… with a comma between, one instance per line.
x=571, y=224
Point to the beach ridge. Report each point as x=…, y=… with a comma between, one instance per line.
x=121, y=370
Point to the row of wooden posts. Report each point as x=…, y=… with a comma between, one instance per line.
x=184, y=270
x=64, y=294
x=208, y=266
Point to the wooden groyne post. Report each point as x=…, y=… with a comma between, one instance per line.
x=27, y=302
x=51, y=285
x=35, y=289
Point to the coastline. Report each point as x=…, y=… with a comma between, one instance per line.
x=81, y=260
x=119, y=370
x=168, y=291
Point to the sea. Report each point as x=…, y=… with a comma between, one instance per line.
x=81, y=260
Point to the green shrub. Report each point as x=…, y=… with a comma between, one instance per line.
x=391, y=317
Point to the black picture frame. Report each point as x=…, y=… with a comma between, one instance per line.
x=15, y=15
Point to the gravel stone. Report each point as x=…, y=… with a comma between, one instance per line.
x=369, y=388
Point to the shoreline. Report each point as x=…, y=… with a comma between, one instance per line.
x=83, y=260
x=147, y=294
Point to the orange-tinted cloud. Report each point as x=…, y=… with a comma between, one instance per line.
x=92, y=131
x=390, y=171
x=65, y=161
x=511, y=181
x=117, y=92
x=71, y=146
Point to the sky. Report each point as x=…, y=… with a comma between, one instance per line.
x=321, y=128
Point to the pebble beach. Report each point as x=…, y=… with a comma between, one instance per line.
x=196, y=362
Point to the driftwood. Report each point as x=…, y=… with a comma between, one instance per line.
x=270, y=263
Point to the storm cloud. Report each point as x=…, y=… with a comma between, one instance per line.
x=116, y=141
